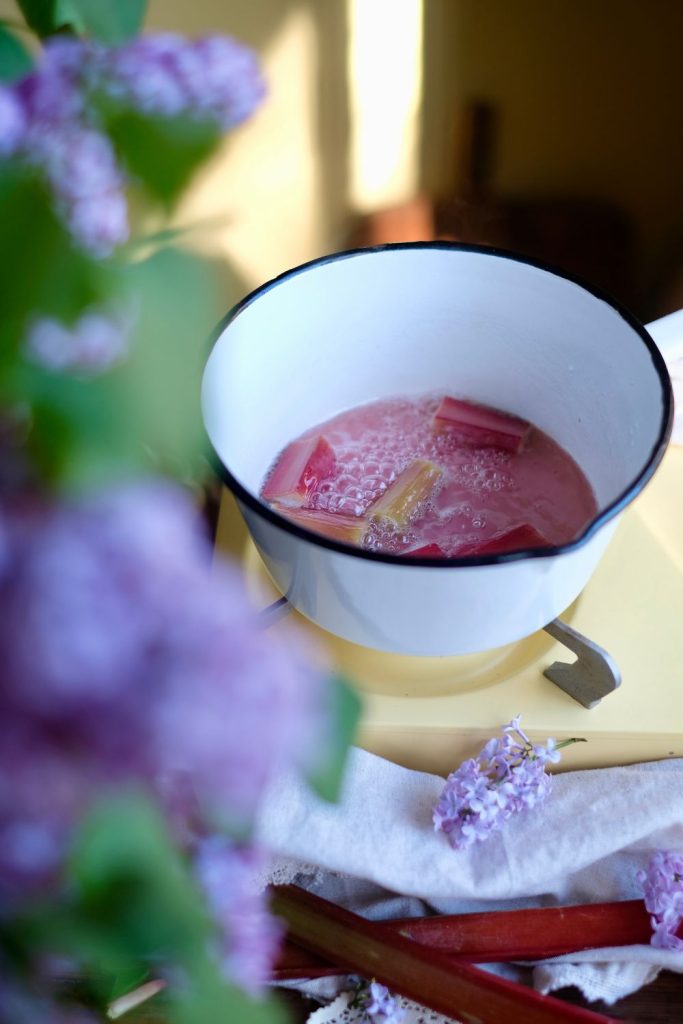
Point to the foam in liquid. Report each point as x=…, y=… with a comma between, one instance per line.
x=483, y=491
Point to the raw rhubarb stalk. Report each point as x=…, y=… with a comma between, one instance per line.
x=413, y=486
x=301, y=466
x=499, y=936
x=426, y=551
x=519, y=538
x=348, y=529
x=425, y=975
x=480, y=426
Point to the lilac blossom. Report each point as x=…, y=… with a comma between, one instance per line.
x=214, y=77
x=230, y=85
x=41, y=793
x=662, y=885
x=250, y=938
x=379, y=1006
x=52, y=95
x=507, y=776
x=132, y=658
x=12, y=122
x=81, y=169
x=96, y=342
x=47, y=118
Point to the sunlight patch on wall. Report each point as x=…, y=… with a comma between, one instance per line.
x=385, y=93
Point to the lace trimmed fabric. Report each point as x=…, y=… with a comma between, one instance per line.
x=340, y=1012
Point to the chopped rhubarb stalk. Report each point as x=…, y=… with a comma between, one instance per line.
x=481, y=427
x=348, y=529
x=301, y=466
x=517, y=539
x=413, y=486
x=426, y=551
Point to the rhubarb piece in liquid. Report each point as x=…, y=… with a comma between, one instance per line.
x=400, y=503
x=520, y=538
x=481, y=426
x=348, y=529
x=484, y=493
x=426, y=551
x=303, y=464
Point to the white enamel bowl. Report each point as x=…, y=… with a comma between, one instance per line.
x=416, y=318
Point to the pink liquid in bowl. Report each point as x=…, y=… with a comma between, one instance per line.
x=484, y=492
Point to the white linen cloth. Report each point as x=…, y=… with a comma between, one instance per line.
x=376, y=852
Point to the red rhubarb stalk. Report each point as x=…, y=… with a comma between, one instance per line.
x=301, y=466
x=480, y=426
x=349, y=529
x=519, y=538
x=497, y=936
x=426, y=551
x=424, y=975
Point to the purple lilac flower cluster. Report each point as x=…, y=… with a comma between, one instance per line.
x=379, y=1006
x=97, y=341
x=507, y=776
x=48, y=121
x=126, y=655
x=662, y=885
x=231, y=879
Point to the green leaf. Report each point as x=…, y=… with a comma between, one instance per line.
x=161, y=152
x=219, y=1003
x=47, y=17
x=131, y=884
x=50, y=276
x=344, y=710
x=80, y=436
x=40, y=15
x=131, y=881
x=110, y=21
x=15, y=60
x=178, y=301
x=143, y=416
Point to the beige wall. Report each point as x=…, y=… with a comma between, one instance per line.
x=278, y=185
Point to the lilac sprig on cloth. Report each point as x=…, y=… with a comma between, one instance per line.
x=377, y=1004
x=662, y=885
x=508, y=775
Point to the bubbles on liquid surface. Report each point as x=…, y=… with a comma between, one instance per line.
x=483, y=491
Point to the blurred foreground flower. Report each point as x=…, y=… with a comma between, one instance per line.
x=131, y=658
x=662, y=885
x=232, y=879
x=143, y=709
x=96, y=342
x=12, y=122
x=507, y=776
x=52, y=118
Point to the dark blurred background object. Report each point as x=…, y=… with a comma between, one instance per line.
x=554, y=130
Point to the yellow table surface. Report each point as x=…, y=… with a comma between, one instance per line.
x=429, y=713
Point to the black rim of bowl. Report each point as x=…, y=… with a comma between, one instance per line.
x=603, y=516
